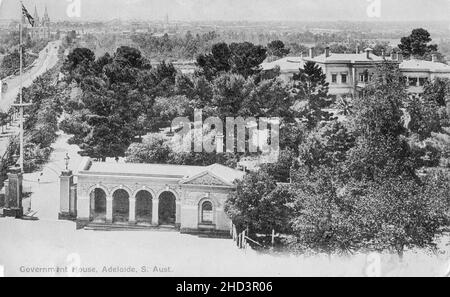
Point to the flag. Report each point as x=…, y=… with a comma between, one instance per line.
x=27, y=15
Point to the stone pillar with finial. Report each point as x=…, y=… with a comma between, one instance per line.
x=67, y=197
x=13, y=192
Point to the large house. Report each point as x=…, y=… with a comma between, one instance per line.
x=349, y=73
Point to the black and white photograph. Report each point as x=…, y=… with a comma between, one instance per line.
x=255, y=139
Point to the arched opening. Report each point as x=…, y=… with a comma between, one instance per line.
x=121, y=206
x=98, y=206
x=167, y=209
x=206, y=213
x=144, y=207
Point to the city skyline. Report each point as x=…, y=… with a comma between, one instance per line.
x=234, y=10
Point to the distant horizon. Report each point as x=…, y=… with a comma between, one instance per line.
x=79, y=20
x=238, y=10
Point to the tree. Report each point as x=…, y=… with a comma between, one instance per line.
x=277, y=49
x=216, y=62
x=402, y=213
x=269, y=98
x=297, y=49
x=78, y=64
x=417, y=44
x=246, y=58
x=116, y=92
x=229, y=92
x=438, y=91
x=281, y=170
x=154, y=150
x=326, y=146
x=311, y=90
x=167, y=109
x=240, y=58
x=381, y=149
x=247, y=205
x=11, y=63
x=323, y=220
x=425, y=117
x=4, y=117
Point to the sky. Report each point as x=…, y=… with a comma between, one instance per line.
x=238, y=10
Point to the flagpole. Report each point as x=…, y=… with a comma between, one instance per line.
x=21, y=92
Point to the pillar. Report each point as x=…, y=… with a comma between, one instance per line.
x=6, y=202
x=155, y=212
x=354, y=82
x=178, y=214
x=132, y=218
x=83, y=210
x=13, y=196
x=109, y=210
x=73, y=201
x=65, y=185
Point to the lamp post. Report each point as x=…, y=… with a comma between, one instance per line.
x=67, y=160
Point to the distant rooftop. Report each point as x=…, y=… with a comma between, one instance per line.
x=293, y=64
x=347, y=58
x=421, y=65
x=286, y=64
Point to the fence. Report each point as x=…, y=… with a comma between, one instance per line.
x=239, y=238
x=242, y=240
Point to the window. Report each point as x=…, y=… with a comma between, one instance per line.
x=423, y=81
x=361, y=77
x=344, y=78
x=413, y=81
x=334, y=78
x=364, y=77
x=207, y=212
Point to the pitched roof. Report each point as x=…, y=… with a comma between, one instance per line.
x=421, y=65
x=287, y=64
x=346, y=58
x=293, y=64
x=225, y=173
x=166, y=171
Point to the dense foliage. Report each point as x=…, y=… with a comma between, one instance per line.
x=355, y=185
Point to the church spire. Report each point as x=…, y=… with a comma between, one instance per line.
x=46, y=19
x=36, y=15
x=46, y=13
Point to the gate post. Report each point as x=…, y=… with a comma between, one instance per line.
x=13, y=194
x=67, y=196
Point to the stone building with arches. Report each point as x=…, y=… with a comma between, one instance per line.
x=188, y=198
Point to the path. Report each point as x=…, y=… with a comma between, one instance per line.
x=45, y=184
x=47, y=59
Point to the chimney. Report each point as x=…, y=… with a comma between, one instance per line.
x=311, y=53
x=394, y=56
x=368, y=52
x=327, y=52
x=383, y=54
x=434, y=58
x=400, y=58
x=357, y=49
